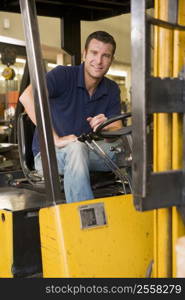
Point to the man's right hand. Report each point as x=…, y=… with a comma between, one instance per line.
x=61, y=142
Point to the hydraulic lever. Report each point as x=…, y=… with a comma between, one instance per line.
x=88, y=139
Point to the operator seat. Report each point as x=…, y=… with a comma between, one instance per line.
x=25, y=132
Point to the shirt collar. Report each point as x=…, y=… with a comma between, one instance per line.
x=101, y=88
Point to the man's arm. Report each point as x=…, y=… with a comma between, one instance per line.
x=27, y=101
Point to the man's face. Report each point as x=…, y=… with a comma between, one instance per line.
x=98, y=58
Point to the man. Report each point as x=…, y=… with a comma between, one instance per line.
x=81, y=98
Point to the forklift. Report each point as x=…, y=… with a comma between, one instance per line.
x=119, y=234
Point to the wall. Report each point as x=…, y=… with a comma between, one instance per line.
x=50, y=36
x=48, y=26
x=119, y=27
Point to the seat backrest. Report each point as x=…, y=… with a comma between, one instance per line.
x=25, y=132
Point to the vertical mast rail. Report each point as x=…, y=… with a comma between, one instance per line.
x=153, y=189
x=42, y=111
x=138, y=33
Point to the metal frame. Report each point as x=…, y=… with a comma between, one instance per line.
x=148, y=97
x=42, y=111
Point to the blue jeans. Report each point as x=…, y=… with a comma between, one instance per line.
x=74, y=162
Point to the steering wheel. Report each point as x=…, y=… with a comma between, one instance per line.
x=115, y=133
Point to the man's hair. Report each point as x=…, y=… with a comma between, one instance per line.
x=101, y=36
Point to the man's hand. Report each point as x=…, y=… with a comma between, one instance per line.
x=61, y=142
x=94, y=122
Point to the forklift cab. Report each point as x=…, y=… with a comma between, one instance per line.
x=92, y=222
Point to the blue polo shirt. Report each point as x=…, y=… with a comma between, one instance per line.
x=71, y=104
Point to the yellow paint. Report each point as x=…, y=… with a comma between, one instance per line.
x=6, y=244
x=122, y=248
x=163, y=58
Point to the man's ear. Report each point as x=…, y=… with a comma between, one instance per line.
x=84, y=55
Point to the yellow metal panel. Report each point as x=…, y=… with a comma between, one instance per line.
x=122, y=248
x=177, y=141
x=179, y=47
x=163, y=58
x=6, y=244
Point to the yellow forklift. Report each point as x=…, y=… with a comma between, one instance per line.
x=115, y=235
